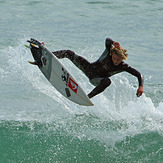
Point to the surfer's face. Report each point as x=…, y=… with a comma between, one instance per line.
x=116, y=59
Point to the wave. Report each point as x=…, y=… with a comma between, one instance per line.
x=117, y=113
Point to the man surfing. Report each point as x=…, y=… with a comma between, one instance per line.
x=110, y=63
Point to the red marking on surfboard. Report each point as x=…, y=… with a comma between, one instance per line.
x=72, y=85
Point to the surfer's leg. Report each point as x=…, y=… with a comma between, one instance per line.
x=79, y=61
x=60, y=54
x=103, y=83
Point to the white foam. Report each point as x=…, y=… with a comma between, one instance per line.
x=32, y=98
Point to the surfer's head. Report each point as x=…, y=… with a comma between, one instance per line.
x=118, y=54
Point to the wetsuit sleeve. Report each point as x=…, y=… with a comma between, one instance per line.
x=108, y=44
x=103, y=55
x=135, y=73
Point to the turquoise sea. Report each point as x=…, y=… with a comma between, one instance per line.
x=39, y=125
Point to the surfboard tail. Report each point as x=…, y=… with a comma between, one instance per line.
x=34, y=42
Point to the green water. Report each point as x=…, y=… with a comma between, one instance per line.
x=36, y=142
x=37, y=124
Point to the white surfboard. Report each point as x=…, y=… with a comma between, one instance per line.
x=57, y=74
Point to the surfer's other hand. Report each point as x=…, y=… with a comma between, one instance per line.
x=43, y=43
x=139, y=91
x=117, y=45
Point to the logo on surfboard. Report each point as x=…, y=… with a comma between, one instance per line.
x=68, y=81
x=73, y=85
x=65, y=76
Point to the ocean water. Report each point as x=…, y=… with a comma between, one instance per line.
x=37, y=124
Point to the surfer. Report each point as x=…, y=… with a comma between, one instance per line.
x=110, y=63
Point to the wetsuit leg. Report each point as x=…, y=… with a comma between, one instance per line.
x=61, y=54
x=104, y=83
x=79, y=61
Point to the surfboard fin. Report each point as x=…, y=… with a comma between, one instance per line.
x=36, y=46
x=26, y=46
x=33, y=63
x=34, y=42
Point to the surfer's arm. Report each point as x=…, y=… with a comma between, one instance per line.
x=139, y=76
x=108, y=44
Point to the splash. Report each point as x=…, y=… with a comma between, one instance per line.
x=117, y=113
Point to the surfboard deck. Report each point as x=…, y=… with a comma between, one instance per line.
x=57, y=74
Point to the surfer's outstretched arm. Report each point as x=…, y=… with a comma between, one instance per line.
x=140, y=78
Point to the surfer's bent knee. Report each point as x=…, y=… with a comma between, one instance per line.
x=103, y=81
x=106, y=82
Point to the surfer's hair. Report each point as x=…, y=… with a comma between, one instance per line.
x=121, y=53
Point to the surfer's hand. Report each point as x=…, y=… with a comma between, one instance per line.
x=43, y=43
x=139, y=91
x=117, y=45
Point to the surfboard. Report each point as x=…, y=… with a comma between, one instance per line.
x=57, y=74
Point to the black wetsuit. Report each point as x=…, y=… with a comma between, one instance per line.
x=99, y=72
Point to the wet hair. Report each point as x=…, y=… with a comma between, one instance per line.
x=121, y=53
